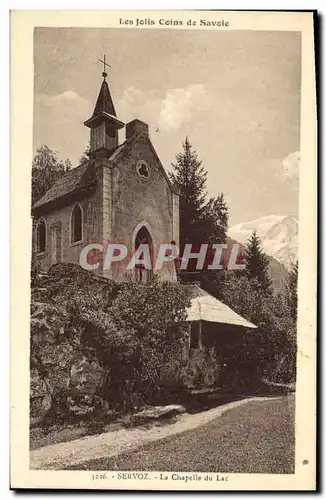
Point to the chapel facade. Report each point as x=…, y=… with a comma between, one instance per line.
x=121, y=195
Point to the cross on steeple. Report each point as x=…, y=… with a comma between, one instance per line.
x=104, y=73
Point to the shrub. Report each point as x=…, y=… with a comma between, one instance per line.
x=154, y=315
x=272, y=347
x=134, y=335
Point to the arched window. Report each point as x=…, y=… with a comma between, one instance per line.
x=143, y=237
x=41, y=236
x=77, y=224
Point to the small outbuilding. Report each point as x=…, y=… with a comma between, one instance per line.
x=216, y=336
x=207, y=309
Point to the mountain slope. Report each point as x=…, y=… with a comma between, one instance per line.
x=277, y=271
x=277, y=233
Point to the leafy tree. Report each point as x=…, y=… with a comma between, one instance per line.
x=46, y=170
x=201, y=221
x=257, y=263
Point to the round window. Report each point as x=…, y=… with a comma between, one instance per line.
x=143, y=170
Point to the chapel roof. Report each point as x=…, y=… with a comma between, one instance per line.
x=104, y=101
x=68, y=183
x=75, y=179
x=79, y=177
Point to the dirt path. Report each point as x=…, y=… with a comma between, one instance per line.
x=61, y=455
x=257, y=437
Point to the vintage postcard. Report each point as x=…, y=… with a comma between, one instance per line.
x=163, y=250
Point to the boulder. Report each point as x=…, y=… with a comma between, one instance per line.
x=157, y=413
x=86, y=376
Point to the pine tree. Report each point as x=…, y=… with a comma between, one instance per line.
x=257, y=263
x=190, y=178
x=215, y=220
x=291, y=291
x=46, y=170
x=200, y=221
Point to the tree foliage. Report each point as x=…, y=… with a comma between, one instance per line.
x=257, y=263
x=214, y=219
x=46, y=170
x=134, y=328
x=291, y=291
x=271, y=346
x=155, y=315
x=201, y=221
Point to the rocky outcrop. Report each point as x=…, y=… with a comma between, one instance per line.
x=66, y=377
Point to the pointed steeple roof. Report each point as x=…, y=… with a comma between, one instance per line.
x=104, y=102
x=104, y=109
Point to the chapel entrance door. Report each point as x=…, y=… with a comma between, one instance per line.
x=143, y=237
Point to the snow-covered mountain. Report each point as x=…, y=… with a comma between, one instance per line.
x=278, y=235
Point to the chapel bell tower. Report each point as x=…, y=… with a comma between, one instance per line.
x=103, y=124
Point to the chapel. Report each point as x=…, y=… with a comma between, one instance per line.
x=120, y=195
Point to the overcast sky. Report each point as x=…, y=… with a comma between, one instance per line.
x=235, y=94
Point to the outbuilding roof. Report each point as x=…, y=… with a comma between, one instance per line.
x=205, y=307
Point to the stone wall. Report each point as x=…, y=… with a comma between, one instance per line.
x=61, y=218
x=136, y=200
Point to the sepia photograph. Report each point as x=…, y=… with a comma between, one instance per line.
x=163, y=247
